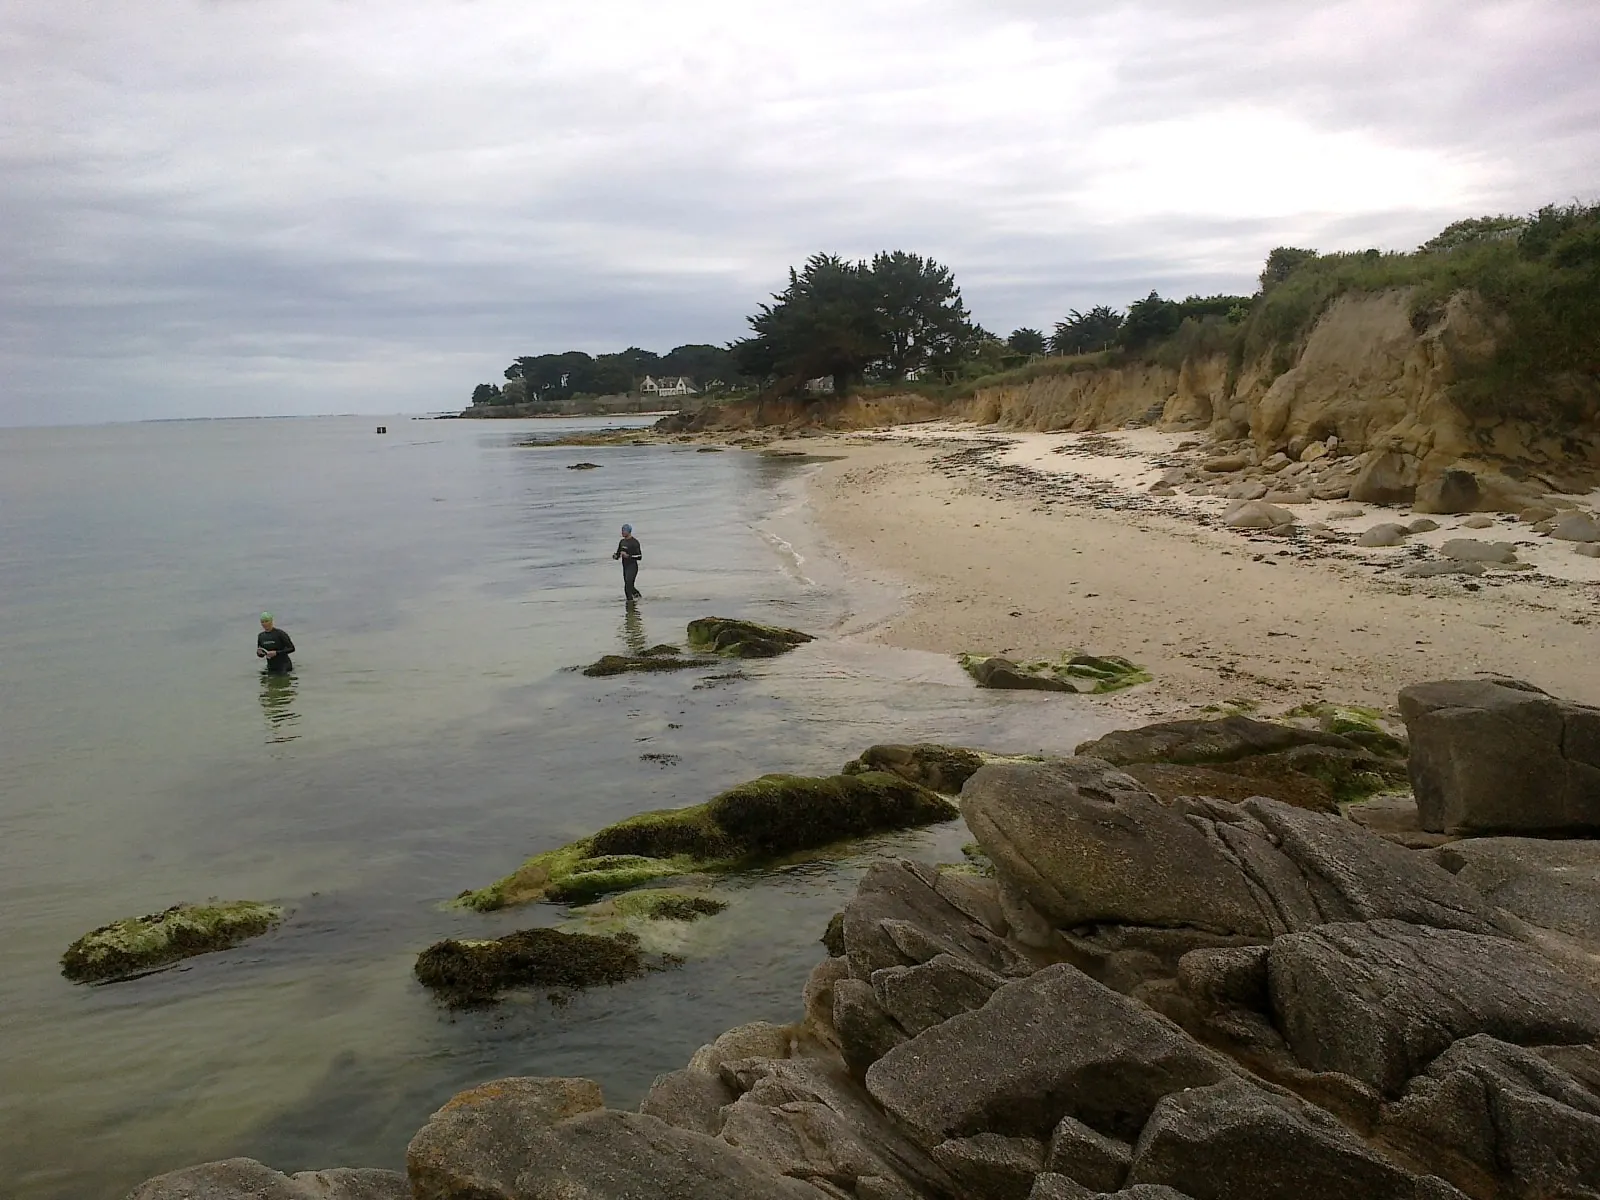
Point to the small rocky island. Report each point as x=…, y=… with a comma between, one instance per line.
x=1199, y=962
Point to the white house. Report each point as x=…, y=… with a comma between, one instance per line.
x=668, y=385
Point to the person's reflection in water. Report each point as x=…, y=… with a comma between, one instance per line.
x=277, y=705
x=633, y=629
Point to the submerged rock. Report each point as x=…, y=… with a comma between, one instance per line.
x=472, y=972
x=764, y=818
x=141, y=944
x=656, y=658
x=744, y=639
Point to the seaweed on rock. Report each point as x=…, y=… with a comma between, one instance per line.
x=139, y=945
x=467, y=973
x=744, y=639
x=762, y=819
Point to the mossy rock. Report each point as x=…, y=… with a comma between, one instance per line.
x=662, y=904
x=1358, y=723
x=763, y=819
x=139, y=945
x=1086, y=674
x=657, y=658
x=744, y=639
x=466, y=973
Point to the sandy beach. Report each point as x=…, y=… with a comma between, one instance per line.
x=1032, y=544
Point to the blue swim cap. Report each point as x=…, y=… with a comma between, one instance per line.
x=627, y=529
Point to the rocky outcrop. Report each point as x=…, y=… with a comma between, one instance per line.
x=1238, y=757
x=468, y=972
x=1191, y=1000
x=141, y=944
x=1081, y=843
x=1500, y=756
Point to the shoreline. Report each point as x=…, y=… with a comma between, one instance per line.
x=1000, y=556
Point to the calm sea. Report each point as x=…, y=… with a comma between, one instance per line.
x=437, y=580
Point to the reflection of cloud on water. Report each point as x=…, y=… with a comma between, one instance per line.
x=278, y=694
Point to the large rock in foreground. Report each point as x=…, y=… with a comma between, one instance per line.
x=744, y=639
x=1055, y=1044
x=1379, y=1000
x=550, y=1139
x=246, y=1179
x=1083, y=844
x=764, y=818
x=1501, y=756
x=142, y=944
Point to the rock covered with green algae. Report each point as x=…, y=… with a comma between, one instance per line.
x=141, y=944
x=656, y=658
x=470, y=972
x=1086, y=674
x=744, y=639
x=762, y=819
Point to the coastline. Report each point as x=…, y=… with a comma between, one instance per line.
x=989, y=567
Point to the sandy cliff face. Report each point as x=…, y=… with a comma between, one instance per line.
x=1366, y=376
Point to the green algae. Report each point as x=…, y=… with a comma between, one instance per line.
x=470, y=972
x=665, y=904
x=138, y=945
x=744, y=639
x=756, y=821
x=1106, y=673
x=656, y=658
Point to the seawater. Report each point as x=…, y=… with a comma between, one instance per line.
x=438, y=581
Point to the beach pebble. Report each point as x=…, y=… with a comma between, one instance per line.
x=1287, y=496
x=1225, y=462
x=1471, y=550
x=1246, y=490
x=1532, y=516
x=1346, y=512
x=1336, y=489
x=1163, y=490
x=1589, y=549
x=1256, y=514
x=1478, y=522
x=1577, y=527
x=1276, y=463
x=1422, y=525
x=1387, y=534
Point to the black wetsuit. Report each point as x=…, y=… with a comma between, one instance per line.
x=276, y=639
x=629, y=552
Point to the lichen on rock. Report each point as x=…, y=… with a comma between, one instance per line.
x=138, y=945
x=744, y=639
x=465, y=973
x=761, y=819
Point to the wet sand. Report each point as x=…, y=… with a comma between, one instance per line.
x=1032, y=544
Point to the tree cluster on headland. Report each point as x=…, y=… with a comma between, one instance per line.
x=899, y=320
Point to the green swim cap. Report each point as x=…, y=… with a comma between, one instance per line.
x=266, y=616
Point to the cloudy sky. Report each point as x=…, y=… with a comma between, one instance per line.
x=220, y=207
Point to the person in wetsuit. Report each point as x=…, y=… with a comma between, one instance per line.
x=629, y=552
x=274, y=645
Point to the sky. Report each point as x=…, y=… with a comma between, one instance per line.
x=251, y=207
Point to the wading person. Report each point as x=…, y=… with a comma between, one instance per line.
x=629, y=552
x=274, y=645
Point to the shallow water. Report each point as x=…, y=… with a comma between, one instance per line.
x=436, y=581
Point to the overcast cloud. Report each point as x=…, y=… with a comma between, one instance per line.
x=291, y=206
